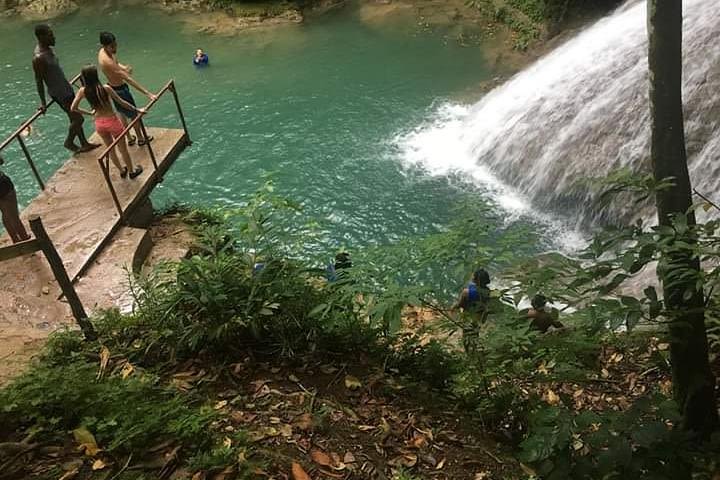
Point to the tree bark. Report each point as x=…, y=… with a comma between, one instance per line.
x=693, y=381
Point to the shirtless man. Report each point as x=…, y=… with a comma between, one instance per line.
x=48, y=72
x=118, y=76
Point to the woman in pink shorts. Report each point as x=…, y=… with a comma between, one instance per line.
x=107, y=124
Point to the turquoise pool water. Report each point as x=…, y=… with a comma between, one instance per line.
x=319, y=105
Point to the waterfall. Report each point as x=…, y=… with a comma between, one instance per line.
x=582, y=110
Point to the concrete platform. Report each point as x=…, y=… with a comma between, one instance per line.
x=124, y=256
x=77, y=208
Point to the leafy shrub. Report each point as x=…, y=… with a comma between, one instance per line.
x=432, y=363
x=640, y=443
x=124, y=414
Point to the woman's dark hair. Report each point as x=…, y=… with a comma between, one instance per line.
x=94, y=91
x=481, y=277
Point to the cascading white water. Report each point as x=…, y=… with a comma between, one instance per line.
x=581, y=111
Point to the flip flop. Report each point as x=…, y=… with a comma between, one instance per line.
x=135, y=173
x=124, y=172
x=131, y=140
x=145, y=141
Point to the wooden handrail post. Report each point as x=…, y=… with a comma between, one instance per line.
x=149, y=145
x=171, y=85
x=30, y=161
x=62, y=278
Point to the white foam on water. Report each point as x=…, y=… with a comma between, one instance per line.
x=439, y=148
x=581, y=111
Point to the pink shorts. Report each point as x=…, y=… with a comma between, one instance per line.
x=111, y=125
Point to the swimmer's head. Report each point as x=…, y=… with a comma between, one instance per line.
x=539, y=301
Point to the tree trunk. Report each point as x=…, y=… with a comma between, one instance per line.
x=693, y=381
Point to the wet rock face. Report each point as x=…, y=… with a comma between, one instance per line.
x=37, y=9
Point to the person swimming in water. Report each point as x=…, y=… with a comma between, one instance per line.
x=107, y=123
x=201, y=59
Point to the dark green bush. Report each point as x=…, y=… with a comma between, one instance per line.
x=124, y=414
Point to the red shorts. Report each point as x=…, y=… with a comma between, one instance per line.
x=111, y=125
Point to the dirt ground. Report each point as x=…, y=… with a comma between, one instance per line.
x=29, y=305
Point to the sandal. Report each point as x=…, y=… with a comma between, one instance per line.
x=145, y=141
x=135, y=173
x=124, y=172
x=131, y=139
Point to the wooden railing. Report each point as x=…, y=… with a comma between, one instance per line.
x=42, y=242
x=104, y=159
x=18, y=135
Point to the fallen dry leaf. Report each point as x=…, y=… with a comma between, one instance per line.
x=408, y=460
x=321, y=458
x=304, y=422
x=298, y=473
x=98, y=465
x=104, y=359
x=69, y=475
x=86, y=441
x=352, y=383
x=551, y=398
x=127, y=370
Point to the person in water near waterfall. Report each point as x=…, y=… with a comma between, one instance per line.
x=107, y=123
x=473, y=302
x=119, y=76
x=338, y=270
x=542, y=317
x=201, y=59
x=9, y=209
x=48, y=72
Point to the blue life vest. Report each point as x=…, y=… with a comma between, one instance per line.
x=331, y=273
x=473, y=294
x=203, y=61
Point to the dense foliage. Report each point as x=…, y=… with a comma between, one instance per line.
x=590, y=401
x=529, y=19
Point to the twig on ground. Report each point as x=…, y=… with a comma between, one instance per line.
x=120, y=472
